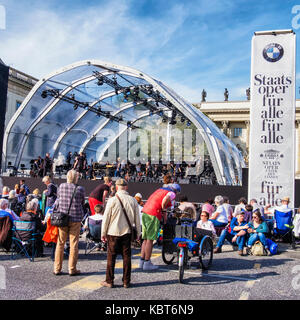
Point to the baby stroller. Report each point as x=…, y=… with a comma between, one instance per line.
x=93, y=236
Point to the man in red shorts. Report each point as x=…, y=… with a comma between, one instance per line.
x=153, y=212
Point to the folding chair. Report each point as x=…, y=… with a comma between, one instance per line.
x=93, y=237
x=283, y=226
x=5, y=233
x=24, y=240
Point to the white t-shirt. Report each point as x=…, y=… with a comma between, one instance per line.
x=238, y=207
x=95, y=217
x=228, y=209
x=207, y=225
x=222, y=217
x=283, y=208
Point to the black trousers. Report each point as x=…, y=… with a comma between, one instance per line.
x=118, y=245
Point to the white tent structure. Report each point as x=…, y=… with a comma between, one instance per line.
x=73, y=107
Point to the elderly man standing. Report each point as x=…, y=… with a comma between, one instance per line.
x=50, y=192
x=117, y=232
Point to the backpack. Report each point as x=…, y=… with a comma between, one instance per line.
x=258, y=249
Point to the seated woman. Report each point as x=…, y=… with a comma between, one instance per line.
x=184, y=205
x=204, y=223
x=235, y=234
x=219, y=217
x=257, y=230
x=31, y=215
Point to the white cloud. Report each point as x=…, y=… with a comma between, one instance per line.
x=47, y=39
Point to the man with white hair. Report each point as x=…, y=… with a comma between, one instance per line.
x=219, y=217
x=4, y=206
x=50, y=192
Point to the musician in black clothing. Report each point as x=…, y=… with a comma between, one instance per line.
x=47, y=165
x=80, y=164
x=68, y=160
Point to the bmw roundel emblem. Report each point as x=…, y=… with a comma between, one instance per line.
x=273, y=52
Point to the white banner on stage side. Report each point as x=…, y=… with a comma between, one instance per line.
x=272, y=117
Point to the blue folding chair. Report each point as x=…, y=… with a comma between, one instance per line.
x=24, y=239
x=283, y=226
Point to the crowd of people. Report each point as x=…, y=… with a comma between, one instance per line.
x=142, y=172
x=125, y=218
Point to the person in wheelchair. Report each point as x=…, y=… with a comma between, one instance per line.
x=93, y=224
x=31, y=215
x=204, y=223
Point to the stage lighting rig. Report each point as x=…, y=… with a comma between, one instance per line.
x=84, y=105
x=135, y=91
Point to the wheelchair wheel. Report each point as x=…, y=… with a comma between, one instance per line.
x=166, y=256
x=206, y=252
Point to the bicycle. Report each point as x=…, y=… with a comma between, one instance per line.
x=185, y=243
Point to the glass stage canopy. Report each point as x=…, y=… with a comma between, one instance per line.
x=91, y=106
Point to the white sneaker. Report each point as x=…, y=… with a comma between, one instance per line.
x=148, y=266
x=141, y=263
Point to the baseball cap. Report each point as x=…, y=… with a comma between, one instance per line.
x=176, y=187
x=286, y=199
x=138, y=195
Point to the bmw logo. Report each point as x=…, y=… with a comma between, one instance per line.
x=273, y=52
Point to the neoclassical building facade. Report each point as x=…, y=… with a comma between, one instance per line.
x=233, y=118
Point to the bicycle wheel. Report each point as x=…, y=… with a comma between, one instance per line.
x=206, y=252
x=167, y=256
x=181, y=263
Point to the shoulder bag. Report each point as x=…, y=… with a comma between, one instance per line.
x=258, y=249
x=132, y=228
x=61, y=219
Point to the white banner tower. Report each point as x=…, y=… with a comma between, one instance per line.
x=272, y=117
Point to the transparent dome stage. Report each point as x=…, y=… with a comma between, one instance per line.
x=110, y=111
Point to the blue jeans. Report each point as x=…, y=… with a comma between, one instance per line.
x=257, y=237
x=225, y=235
x=216, y=223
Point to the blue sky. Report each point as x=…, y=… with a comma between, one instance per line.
x=189, y=45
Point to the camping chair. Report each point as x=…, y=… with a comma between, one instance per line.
x=93, y=237
x=283, y=226
x=5, y=233
x=24, y=239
